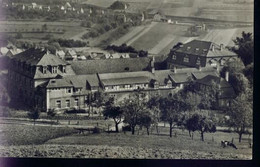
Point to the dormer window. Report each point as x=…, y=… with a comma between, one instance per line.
x=174, y=57
x=44, y=69
x=64, y=69
x=186, y=59
x=54, y=69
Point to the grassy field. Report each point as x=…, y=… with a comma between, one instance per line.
x=113, y=145
x=30, y=29
x=154, y=37
x=23, y=139
x=18, y=134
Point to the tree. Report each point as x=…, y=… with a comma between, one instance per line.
x=245, y=47
x=34, y=114
x=154, y=105
x=171, y=108
x=239, y=82
x=133, y=107
x=241, y=115
x=233, y=67
x=51, y=113
x=114, y=112
x=100, y=99
x=249, y=72
x=145, y=119
x=200, y=123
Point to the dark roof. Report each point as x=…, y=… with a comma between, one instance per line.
x=124, y=81
x=183, y=75
x=38, y=57
x=207, y=80
x=110, y=65
x=180, y=78
x=59, y=83
x=204, y=48
x=162, y=75
x=197, y=49
x=79, y=81
x=227, y=90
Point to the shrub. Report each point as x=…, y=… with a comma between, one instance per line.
x=74, y=111
x=126, y=128
x=96, y=130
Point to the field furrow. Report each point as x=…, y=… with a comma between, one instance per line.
x=220, y=36
x=129, y=35
x=142, y=33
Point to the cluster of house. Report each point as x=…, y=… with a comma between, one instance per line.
x=81, y=54
x=9, y=51
x=41, y=79
x=65, y=8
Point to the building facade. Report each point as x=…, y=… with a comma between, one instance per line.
x=38, y=78
x=199, y=54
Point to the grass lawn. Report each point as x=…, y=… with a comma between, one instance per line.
x=12, y=134
x=211, y=145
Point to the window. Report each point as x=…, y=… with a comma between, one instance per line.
x=127, y=86
x=68, y=103
x=54, y=70
x=68, y=90
x=174, y=57
x=58, y=104
x=44, y=70
x=76, y=102
x=64, y=69
x=198, y=61
x=186, y=59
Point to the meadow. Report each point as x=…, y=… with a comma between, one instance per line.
x=37, y=141
x=33, y=29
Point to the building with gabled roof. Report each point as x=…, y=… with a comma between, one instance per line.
x=225, y=91
x=31, y=68
x=44, y=80
x=198, y=53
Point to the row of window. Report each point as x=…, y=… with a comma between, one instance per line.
x=68, y=90
x=53, y=69
x=186, y=59
x=67, y=102
x=126, y=87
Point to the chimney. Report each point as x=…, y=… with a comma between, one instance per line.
x=213, y=48
x=227, y=76
x=221, y=47
x=204, y=27
x=153, y=70
x=175, y=69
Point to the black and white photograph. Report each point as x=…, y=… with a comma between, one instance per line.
x=127, y=79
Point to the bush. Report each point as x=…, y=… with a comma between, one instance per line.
x=126, y=128
x=74, y=111
x=96, y=130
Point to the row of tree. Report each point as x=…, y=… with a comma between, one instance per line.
x=183, y=109
x=127, y=49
